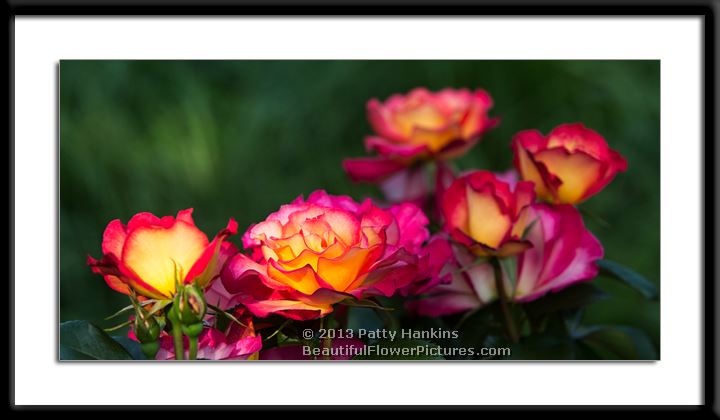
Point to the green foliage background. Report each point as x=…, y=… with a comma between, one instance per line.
x=240, y=138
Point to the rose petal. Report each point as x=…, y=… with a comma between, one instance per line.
x=371, y=169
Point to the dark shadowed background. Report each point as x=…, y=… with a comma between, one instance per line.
x=240, y=138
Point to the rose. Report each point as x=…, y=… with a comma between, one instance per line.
x=150, y=254
x=419, y=126
x=569, y=165
x=312, y=254
x=487, y=214
x=239, y=342
x=564, y=253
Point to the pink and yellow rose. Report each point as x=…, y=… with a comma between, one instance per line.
x=150, y=253
x=569, y=165
x=420, y=126
x=564, y=253
x=313, y=253
x=487, y=214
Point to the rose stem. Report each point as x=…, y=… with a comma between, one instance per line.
x=509, y=322
x=192, y=352
x=177, y=335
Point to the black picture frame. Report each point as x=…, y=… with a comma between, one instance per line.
x=703, y=8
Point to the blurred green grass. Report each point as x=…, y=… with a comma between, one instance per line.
x=240, y=138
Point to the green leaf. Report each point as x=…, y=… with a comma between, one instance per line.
x=543, y=347
x=475, y=327
x=68, y=353
x=81, y=340
x=574, y=297
x=631, y=278
x=401, y=349
x=363, y=318
x=555, y=343
x=618, y=342
x=131, y=346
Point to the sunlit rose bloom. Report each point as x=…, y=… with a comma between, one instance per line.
x=237, y=343
x=569, y=165
x=487, y=214
x=312, y=254
x=564, y=253
x=150, y=253
x=416, y=127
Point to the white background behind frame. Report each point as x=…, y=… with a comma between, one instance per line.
x=40, y=42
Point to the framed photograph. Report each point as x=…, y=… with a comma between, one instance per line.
x=482, y=199
x=437, y=236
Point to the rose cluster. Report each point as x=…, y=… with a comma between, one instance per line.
x=316, y=256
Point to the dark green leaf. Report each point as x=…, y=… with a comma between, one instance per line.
x=480, y=324
x=363, y=318
x=402, y=349
x=618, y=342
x=543, y=347
x=577, y=296
x=629, y=277
x=67, y=353
x=555, y=343
x=131, y=346
x=81, y=340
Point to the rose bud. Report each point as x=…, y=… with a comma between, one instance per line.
x=568, y=166
x=146, y=329
x=150, y=254
x=486, y=214
x=190, y=305
x=146, y=326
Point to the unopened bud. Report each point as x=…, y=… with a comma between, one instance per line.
x=190, y=304
x=150, y=349
x=147, y=328
x=192, y=330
